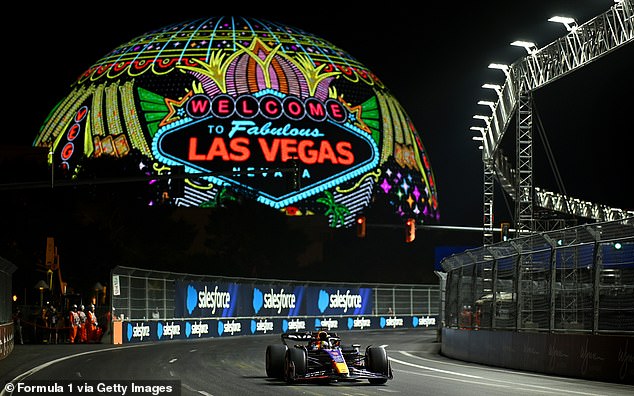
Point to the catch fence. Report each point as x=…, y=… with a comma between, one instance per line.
x=578, y=279
x=141, y=294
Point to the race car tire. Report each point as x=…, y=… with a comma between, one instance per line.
x=275, y=360
x=377, y=362
x=296, y=362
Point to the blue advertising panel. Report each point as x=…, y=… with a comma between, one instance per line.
x=277, y=300
x=206, y=299
x=209, y=299
x=338, y=301
x=167, y=330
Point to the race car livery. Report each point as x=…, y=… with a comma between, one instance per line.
x=319, y=356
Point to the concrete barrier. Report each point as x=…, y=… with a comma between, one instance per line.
x=593, y=357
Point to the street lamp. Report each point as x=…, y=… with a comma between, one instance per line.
x=569, y=23
x=529, y=46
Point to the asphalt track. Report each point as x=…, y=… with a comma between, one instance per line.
x=235, y=366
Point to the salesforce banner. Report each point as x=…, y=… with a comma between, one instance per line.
x=277, y=300
x=166, y=330
x=206, y=300
x=226, y=300
x=338, y=301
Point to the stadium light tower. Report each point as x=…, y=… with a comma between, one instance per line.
x=569, y=23
x=529, y=46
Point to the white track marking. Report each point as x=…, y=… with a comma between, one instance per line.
x=34, y=370
x=434, y=369
x=486, y=381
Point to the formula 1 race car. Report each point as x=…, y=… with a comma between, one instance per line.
x=319, y=356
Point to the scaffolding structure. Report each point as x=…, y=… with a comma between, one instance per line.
x=582, y=45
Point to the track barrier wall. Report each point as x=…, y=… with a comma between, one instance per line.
x=592, y=357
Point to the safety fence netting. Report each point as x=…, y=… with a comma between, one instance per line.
x=578, y=279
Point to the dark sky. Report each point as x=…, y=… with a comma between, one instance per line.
x=433, y=58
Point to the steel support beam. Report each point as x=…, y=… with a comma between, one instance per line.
x=581, y=46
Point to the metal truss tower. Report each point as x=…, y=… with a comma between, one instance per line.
x=581, y=46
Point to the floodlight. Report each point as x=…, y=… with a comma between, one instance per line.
x=569, y=23
x=481, y=117
x=530, y=47
x=500, y=66
x=494, y=87
x=479, y=129
x=479, y=138
x=487, y=103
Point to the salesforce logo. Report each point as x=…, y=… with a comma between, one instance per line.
x=391, y=322
x=195, y=329
x=207, y=299
x=272, y=300
x=338, y=301
x=139, y=331
x=328, y=323
x=358, y=323
x=229, y=327
x=293, y=325
x=323, y=301
x=257, y=300
x=168, y=330
x=423, y=321
x=192, y=297
x=262, y=326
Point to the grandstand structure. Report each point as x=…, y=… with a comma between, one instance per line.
x=582, y=45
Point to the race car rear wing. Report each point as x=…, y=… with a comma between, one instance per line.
x=307, y=336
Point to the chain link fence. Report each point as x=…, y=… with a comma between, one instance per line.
x=140, y=294
x=579, y=279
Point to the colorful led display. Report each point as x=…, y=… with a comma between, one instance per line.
x=246, y=106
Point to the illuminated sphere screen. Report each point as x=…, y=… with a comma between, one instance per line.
x=248, y=106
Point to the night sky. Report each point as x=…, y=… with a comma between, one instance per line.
x=433, y=59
